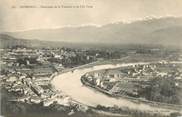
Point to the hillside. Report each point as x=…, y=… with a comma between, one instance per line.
x=10, y=41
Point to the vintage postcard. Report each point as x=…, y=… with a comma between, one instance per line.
x=91, y=58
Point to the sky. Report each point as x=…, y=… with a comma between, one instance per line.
x=102, y=12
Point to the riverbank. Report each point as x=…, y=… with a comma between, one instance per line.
x=135, y=100
x=69, y=82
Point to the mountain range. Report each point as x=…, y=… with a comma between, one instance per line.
x=163, y=31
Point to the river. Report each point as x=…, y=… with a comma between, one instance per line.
x=69, y=83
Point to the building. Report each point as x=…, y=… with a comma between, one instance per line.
x=35, y=99
x=37, y=89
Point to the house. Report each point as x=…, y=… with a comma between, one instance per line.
x=35, y=99
x=12, y=79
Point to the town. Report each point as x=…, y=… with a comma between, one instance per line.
x=140, y=81
x=26, y=74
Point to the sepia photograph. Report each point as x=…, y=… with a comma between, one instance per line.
x=90, y=58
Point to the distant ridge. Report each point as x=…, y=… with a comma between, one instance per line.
x=164, y=31
x=11, y=42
